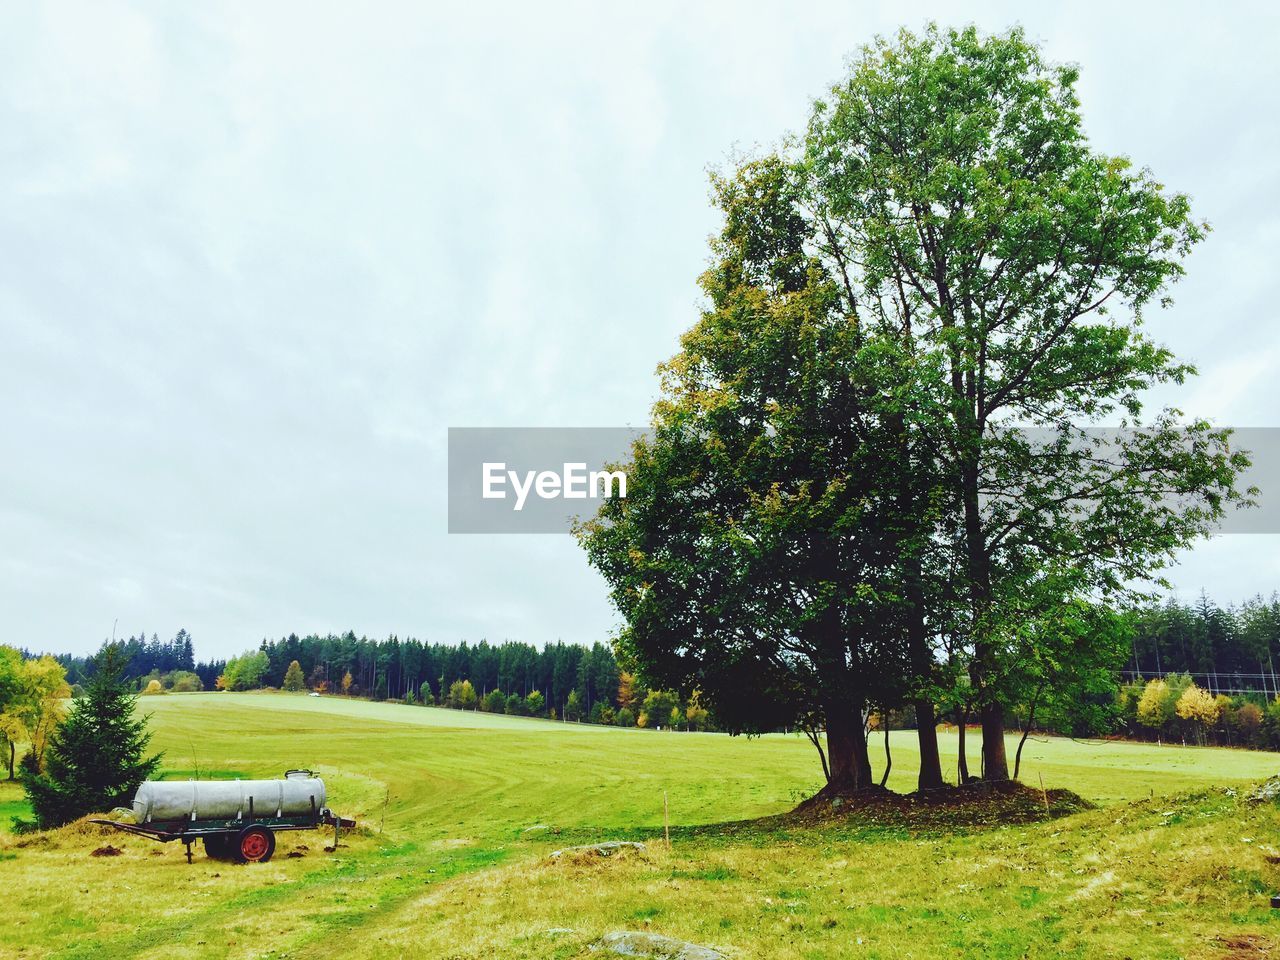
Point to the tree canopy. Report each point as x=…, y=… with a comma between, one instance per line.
x=871, y=479
x=33, y=694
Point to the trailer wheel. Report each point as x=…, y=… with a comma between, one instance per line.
x=217, y=846
x=255, y=845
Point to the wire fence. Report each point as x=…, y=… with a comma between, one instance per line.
x=1266, y=684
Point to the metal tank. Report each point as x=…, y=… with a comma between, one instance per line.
x=299, y=794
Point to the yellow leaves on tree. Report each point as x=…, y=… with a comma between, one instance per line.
x=627, y=696
x=1198, y=705
x=1154, y=708
x=33, y=701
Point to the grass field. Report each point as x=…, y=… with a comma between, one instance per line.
x=459, y=811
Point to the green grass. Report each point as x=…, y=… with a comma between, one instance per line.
x=459, y=810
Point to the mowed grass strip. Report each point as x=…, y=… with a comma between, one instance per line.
x=442, y=795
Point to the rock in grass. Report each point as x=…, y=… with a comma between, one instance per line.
x=630, y=943
x=607, y=849
x=1269, y=790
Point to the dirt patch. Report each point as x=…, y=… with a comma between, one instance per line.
x=107, y=851
x=974, y=804
x=1245, y=946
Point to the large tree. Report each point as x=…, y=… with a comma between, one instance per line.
x=957, y=193
x=873, y=447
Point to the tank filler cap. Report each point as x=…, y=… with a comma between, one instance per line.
x=298, y=774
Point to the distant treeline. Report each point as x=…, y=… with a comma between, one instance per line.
x=145, y=658
x=380, y=669
x=1228, y=652
x=410, y=669
x=1225, y=649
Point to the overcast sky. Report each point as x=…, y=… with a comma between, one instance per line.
x=255, y=259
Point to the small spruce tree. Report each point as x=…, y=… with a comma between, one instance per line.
x=97, y=758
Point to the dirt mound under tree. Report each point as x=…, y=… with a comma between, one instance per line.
x=979, y=803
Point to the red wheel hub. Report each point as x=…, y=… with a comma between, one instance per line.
x=253, y=845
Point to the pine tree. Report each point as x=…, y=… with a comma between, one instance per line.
x=97, y=758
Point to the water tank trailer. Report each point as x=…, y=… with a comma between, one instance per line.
x=236, y=819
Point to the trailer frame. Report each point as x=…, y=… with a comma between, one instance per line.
x=218, y=834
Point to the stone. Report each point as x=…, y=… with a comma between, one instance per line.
x=1270, y=790
x=607, y=849
x=631, y=943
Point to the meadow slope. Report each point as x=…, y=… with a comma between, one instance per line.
x=460, y=810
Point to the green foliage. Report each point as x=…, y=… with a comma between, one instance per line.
x=696, y=716
x=245, y=672
x=33, y=692
x=461, y=696
x=97, y=758
x=601, y=713
x=294, y=681
x=184, y=681
x=830, y=512
x=572, y=707
x=625, y=718
x=495, y=701
x=662, y=708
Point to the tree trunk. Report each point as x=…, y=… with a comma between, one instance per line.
x=812, y=734
x=927, y=734
x=888, y=755
x=1026, y=731
x=995, y=763
x=861, y=753
x=13, y=750
x=962, y=759
x=847, y=753
x=918, y=652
